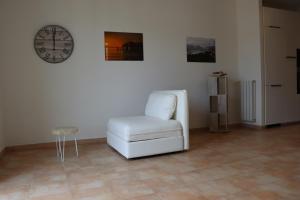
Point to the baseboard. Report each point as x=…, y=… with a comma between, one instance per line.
x=295, y=123
x=197, y=130
x=52, y=144
x=49, y=145
x=242, y=125
x=103, y=140
x=235, y=126
x=252, y=126
x=291, y=123
x=206, y=129
x=259, y=127
x=2, y=152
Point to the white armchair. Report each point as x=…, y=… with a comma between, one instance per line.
x=163, y=129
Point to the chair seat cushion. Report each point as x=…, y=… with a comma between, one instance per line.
x=143, y=128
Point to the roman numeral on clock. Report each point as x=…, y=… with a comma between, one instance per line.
x=66, y=51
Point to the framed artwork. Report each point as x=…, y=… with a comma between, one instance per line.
x=123, y=46
x=201, y=50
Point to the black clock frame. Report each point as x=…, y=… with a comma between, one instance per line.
x=61, y=27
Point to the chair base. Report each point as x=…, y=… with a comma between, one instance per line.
x=145, y=147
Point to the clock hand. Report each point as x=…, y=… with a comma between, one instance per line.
x=53, y=37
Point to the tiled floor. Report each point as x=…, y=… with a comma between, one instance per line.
x=244, y=164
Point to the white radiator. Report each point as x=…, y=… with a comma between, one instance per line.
x=248, y=101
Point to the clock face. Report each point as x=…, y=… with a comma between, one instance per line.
x=53, y=44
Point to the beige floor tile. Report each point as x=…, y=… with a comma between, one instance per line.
x=131, y=189
x=243, y=164
x=62, y=196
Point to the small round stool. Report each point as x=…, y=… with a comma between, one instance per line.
x=61, y=133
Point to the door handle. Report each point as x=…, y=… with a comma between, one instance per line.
x=291, y=57
x=278, y=27
x=276, y=85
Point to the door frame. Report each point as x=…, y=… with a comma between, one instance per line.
x=263, y=68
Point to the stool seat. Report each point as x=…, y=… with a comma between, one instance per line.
x=65, y=131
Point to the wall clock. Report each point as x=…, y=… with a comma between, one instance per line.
x=53, y=44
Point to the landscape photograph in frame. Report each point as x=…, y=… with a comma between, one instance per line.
x=121, y=46
x=201, y=50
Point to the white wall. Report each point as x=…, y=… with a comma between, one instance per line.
x=2, y=143
x=85, y=91
x=249, y=48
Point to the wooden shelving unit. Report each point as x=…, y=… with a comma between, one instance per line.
x=218, y=99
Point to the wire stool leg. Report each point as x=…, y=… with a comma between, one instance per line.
x=76, y=146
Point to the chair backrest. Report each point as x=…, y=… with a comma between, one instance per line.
x=181, y=113
x=161, y=105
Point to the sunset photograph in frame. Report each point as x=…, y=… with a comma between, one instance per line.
x=121, y=46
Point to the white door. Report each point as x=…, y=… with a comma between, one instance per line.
x=292, y=98
x=275, y=70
